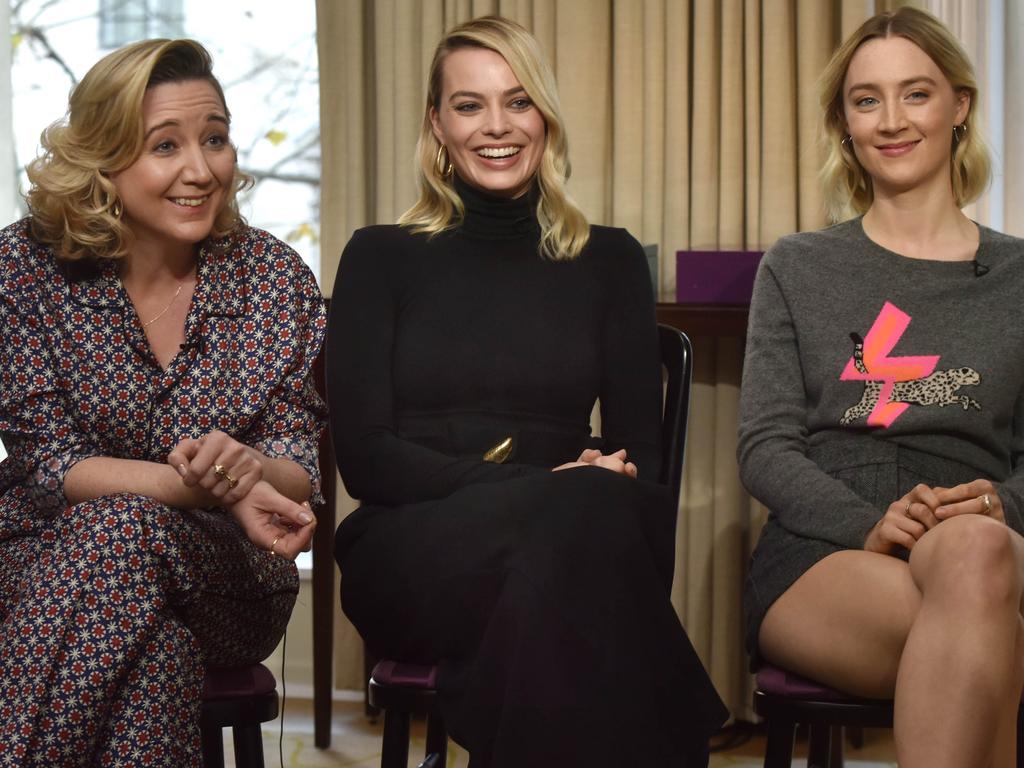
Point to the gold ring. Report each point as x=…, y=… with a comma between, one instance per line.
x=907, y=510
x=222, y=473
x=273, y=546
x=987, y=502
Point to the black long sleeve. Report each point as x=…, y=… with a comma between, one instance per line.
x=474, y=323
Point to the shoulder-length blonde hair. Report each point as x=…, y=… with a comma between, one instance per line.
x=847, y=186
x=564, y=229
x=73, y=204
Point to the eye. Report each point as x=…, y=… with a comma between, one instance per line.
x=466, y=107
x=521, y=103
x=917, y=95
x=164, y=147
x=217, y=140
x=866, y=101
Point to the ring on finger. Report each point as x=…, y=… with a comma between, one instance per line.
x=273, y=547
x=987, y=502
x=222, y=473
x=907, y=510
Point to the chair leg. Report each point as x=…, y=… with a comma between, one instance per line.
x=248, y=741
x=395, y=752
x=836, y=758
x=1020, y=737
x=778, y=751
x=212, y=741
x=437, y=738
x=819, y=747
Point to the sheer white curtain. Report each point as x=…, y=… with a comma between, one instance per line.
x=6, y=140
x=7, y=178
x=991, y=31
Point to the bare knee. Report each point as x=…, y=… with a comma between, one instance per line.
x=971, y=559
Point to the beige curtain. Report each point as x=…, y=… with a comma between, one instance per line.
x=691, y=123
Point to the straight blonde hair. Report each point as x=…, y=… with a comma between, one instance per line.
x=564, y=228
x=847, y=186
x=73, y=204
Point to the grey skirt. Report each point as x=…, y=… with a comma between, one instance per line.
x=879, y=472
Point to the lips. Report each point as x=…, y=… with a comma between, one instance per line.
x=189, y=202
x=498, y=153
x=897, y=150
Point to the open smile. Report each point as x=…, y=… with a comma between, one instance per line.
x=190, y=202
x=498, y=153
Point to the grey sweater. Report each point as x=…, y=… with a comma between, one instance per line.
x=855, y=352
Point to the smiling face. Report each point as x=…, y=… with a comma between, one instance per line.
x=494, y=133
x=174, y=190
x=900, y=110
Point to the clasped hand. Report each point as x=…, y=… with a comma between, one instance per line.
x=232, y=474
x=591, y=457
x=907, y=519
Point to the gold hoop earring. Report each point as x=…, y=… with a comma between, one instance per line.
x=847, y=142
x=959, y=131
x=442, y=163
x=114, y=206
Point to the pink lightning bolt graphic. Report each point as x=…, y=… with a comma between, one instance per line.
x=887, y=329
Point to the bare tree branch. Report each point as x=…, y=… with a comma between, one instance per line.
x=39, y=36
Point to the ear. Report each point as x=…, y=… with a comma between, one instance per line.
x=435, y=124
x=963, y=107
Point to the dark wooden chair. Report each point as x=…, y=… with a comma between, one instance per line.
x=785, y=699
x=239, y=698
x=402, y=690
x=324, y=593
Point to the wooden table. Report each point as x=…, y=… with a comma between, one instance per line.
x=704, y=319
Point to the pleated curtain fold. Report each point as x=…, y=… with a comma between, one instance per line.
x=692, y=123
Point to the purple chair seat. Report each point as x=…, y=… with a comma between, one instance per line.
x=239, y=698
x=423, y=676
x=233, y=682
x=780, y=682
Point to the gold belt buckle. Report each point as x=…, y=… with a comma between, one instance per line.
x=498, y=454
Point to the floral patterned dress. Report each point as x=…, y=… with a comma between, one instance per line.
x=110, y=608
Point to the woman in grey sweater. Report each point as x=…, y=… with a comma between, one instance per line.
x=882, y=412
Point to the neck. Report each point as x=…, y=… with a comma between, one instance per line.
x=491, y=217
x=922, y=223
x=147, y=264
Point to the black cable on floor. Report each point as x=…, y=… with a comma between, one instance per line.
x=284, y=698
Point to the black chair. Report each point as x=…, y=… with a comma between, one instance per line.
x=785, y=699
x=402, y=690
x=239, y=698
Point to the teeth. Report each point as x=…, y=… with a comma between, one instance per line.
x=498, y=151
x=189, y=202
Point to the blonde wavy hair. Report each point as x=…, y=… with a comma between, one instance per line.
x=564, y=228
x=73, y=204
x=847, y=186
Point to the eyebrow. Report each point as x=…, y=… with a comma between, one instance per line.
x=475, y=95
x=902, y=84
x=213, y=116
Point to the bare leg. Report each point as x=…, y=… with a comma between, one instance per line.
x=941, y=635
x=970, y=570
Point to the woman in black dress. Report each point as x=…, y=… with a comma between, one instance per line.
x=466, y=348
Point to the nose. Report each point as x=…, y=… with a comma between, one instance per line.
x=497, y=123
x=195, y=168
x=893, y=116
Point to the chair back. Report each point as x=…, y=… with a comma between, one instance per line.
x=677, y=359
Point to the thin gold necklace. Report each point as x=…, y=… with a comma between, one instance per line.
x=164, y=310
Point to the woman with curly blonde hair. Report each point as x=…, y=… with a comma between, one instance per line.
x=466, y=348
x=156, y=405
x=882, y=412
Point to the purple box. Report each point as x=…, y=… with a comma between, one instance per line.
x=716, y=277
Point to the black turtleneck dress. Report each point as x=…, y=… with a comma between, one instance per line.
x=543, y=596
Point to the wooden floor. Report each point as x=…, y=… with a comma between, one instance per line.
x=355, y=743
